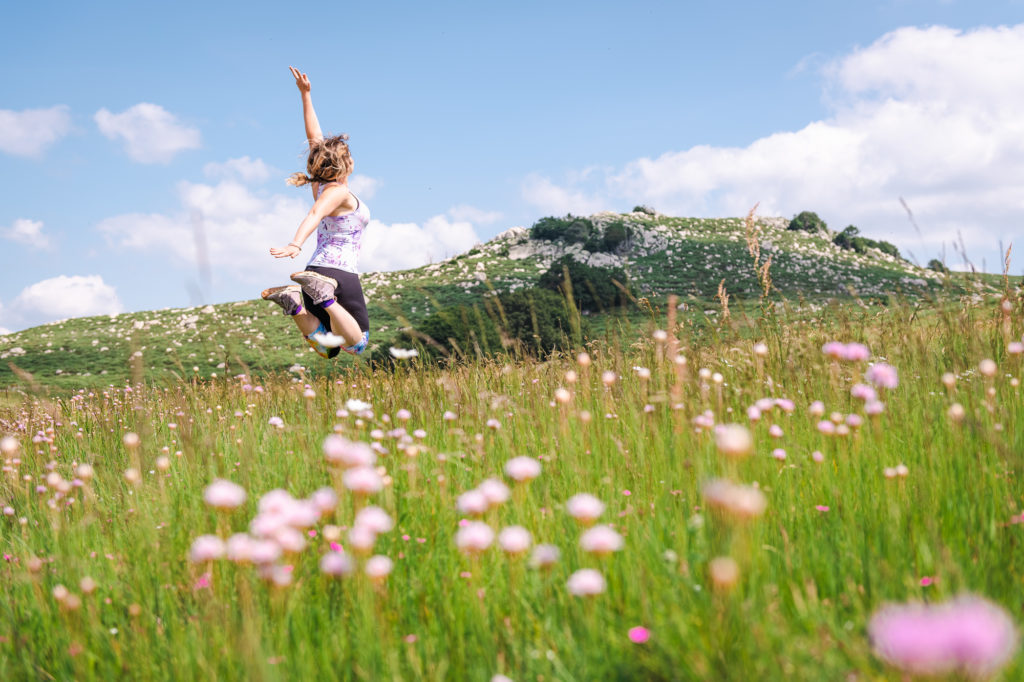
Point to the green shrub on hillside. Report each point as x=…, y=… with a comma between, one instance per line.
x=808, y=221
x=593, y=289
x=851, y=240
x=938, y=266
x=578, y=230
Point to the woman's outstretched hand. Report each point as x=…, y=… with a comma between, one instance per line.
x=301, y=79
x=290, y=251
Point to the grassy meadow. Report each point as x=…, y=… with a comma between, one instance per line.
x=906, y=497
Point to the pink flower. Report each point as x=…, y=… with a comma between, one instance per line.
x=863, y=392
x=821, y=507
x=775, y=431
x=601, y=540
x=969, y=636
x=586, y=582
x=324, y=499
x=206, y=548
x=223, y=494
x=584, y=507
x=779, y=454
x=474, y=537
x=545, y=556
x=378, y=567
x=882, y=375
x=855, y=352
x=374, y=518
x=336, y=564
x=639, y=634
x=514, y=540
x=472, y=502
x=346, y=453
x=926, y=581
x=733, y=440
x=817, y=409
x=834, y=350
x=238, y=548
x=363, y=480
x=522, y=468
x=495, y=492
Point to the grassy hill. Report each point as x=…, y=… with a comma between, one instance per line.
x=689, y=257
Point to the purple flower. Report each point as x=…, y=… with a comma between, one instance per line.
x=882, y=375
x=969, y=635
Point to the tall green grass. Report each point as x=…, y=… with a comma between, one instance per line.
x=809, y=579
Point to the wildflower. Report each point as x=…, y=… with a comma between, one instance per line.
x=84, y=472
x=586, y=582
x=514, y=540
x=361, y=538
x=863, y=392
x=601, y=540
x=363, y=479
x=346, y=453
x=87, y=585
x=131, y=440
x=1015, y=348
x=474, y=537
x=522, y=468
x=584, y=507
x=545, y=556
x=449, y=416
x=956, y=412
x=817, y=456
x=987, y=367
x=739, y=501
x=495, y=491
x=970, y=636
x=724, y=572
x=882, y=375
x=472, y=502
x=9, y=446
x=779, y=454
x=403, y=415
x=785, y=404
x=403, y=353
x=660, y=335
x=309, y=394
x=132, y=475
x=948, y=380
x=753, y=413
x=324, y=499
x=336, y=564
x=290, y=540
x=562, y=396
x=583, y=359
x=639, y=634
x=355, y=406
x=276, y=421
x=163, y=463
x=224, y=495
x=238, y=548
x=734, y=440
x=761, y=349
x=826, y=427
x=374, y=518
x=206, y=548
x=775, y=431
x=817, y=409
x=493, y=424
x=874, y=408
x=608, y=377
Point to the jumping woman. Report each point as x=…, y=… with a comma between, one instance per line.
x=327, y=300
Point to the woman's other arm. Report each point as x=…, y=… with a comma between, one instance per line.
x=330, y=200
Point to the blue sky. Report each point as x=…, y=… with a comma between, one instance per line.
x=124, y=127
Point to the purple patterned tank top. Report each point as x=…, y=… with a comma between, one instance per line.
x=338, y=238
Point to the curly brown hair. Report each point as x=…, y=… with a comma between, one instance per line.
x=329, y=160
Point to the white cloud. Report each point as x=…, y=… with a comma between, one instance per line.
x=363, y=186
x=62, y=297
x=408, y=245
x=473, y=214
x=242, y=168
x=150, y=133
x=30, y=131
x=236, y=228
x=931, y=115
x=28, y=232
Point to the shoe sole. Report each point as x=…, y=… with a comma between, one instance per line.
x=275, y=294
x=306, y=277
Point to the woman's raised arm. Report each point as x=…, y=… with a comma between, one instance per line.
x=313, y=132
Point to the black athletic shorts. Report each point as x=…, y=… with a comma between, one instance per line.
x=348, y=294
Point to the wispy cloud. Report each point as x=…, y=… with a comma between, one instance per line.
x=150, y=133
x=30, y=131
x=27, y=232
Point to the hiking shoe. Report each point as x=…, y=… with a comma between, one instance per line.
x=288, y=297
x=358, y=348
x=318, y=287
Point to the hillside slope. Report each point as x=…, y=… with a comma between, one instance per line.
x=663, y=255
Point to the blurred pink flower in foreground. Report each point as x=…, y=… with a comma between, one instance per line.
x=346, y=453
x=474, y=537
x=584, y=507
x=585, y=582
x=522, y=468
x=206, y=548
x=601, y=540
x=223, y=494
x=639, y=634
x=969, y=635
x=882, y=375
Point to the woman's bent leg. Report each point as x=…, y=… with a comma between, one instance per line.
x=343, y=324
